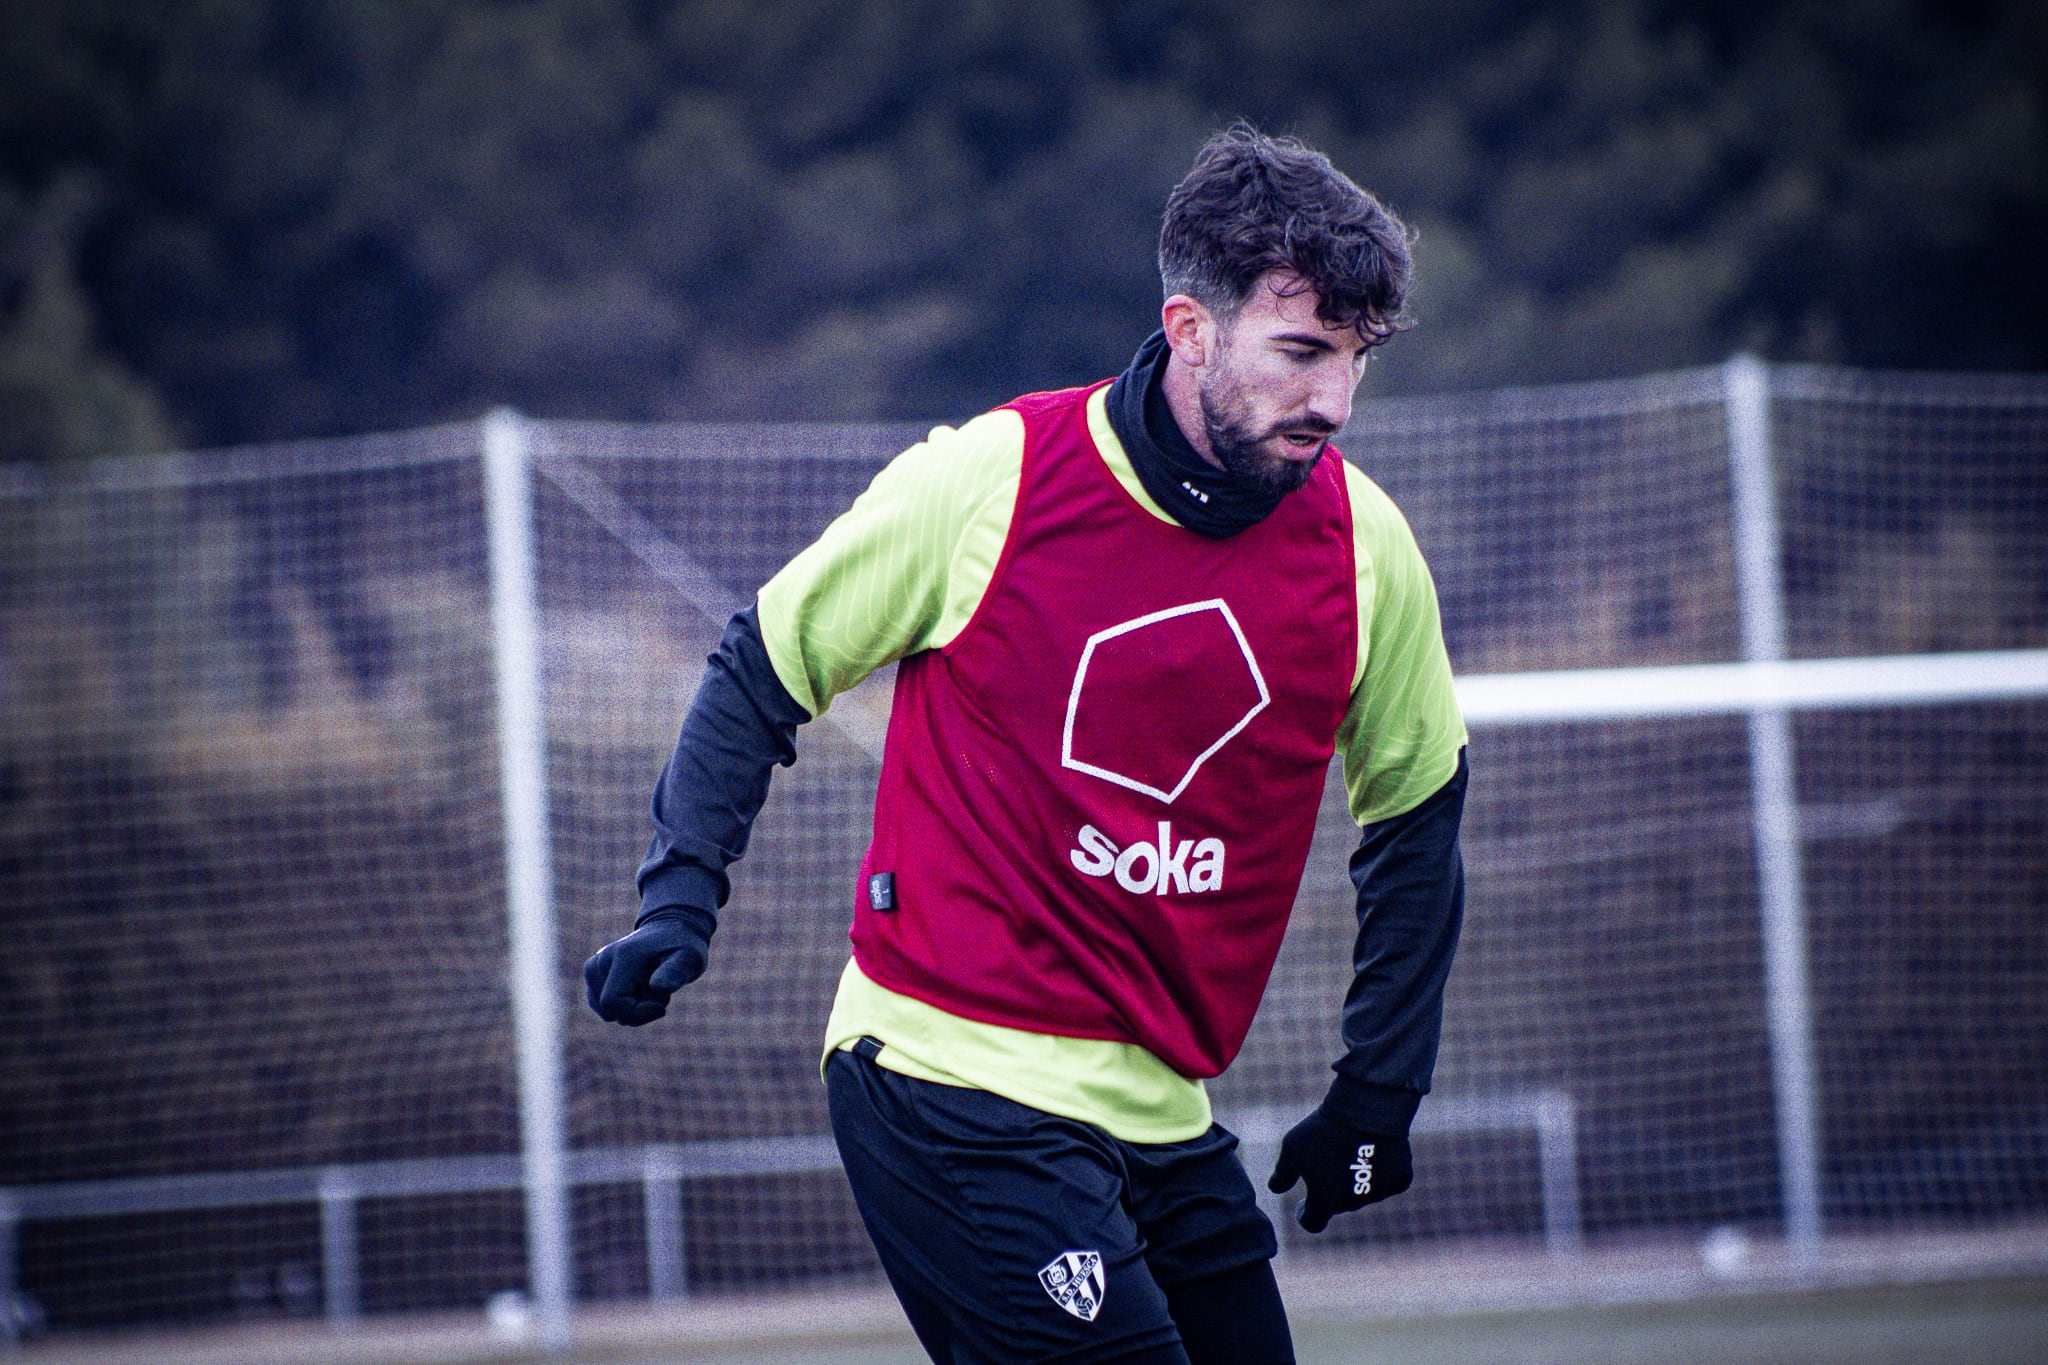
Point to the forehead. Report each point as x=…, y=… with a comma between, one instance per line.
x=1283, y=301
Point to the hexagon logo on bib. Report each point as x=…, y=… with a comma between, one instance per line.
x=1157, y=696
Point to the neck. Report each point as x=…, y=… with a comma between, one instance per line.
x=1183, y=392
x=1190, y=484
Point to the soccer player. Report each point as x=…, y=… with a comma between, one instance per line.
x=1135, y=621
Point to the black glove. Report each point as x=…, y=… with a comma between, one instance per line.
x=630, y=981
x=1343, y=1168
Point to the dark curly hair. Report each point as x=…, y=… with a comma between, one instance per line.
x=1253, y=203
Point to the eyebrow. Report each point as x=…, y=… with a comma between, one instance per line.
x=1309, y=339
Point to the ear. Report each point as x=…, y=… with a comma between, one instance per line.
x=1190, y=330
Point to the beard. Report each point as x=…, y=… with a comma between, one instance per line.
x=1227, y=421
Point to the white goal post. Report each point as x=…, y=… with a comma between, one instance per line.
x=1740, y=688
x=1766, y=691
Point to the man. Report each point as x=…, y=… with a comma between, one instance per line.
x=1135, y=621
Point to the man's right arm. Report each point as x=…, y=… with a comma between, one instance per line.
x=875, y=586
x=741, y=724
x=739, y=728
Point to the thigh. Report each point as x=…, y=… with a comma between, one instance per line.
x=1235, y=1318
x=1195, y=1208
x=1008, y=1231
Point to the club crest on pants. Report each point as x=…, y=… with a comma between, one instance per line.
x=1075, y=1281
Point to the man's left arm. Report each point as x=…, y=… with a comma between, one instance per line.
x=1405, y=771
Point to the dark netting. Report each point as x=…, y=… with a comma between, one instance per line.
x=252, y=845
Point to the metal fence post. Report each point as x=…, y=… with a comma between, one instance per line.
x=1557, y=1157
x=529, y=878
x=668, y=1261
x=10, y=1248
x=340, y=1273
x=1774, y=809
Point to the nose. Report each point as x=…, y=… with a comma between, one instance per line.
x=1330, y=395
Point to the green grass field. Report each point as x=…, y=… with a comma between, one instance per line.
x=2001, y=1322
x=1641, y=1306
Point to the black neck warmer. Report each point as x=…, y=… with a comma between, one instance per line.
x=1207, y=500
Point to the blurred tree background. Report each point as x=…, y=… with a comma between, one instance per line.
x=226, y=221
x=258, y=704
